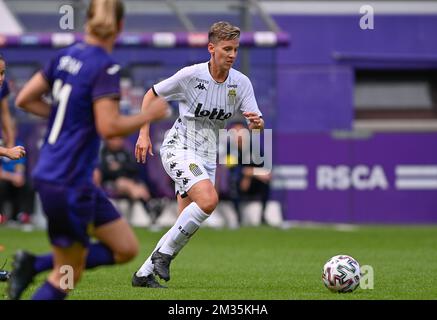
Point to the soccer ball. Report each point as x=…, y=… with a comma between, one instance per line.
x=341, y=274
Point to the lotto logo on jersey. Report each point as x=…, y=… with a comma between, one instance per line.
x=213, y=114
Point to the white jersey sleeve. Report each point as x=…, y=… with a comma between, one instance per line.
x=248, y=102
x=173, y=88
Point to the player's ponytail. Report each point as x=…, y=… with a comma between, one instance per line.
x=104, y=18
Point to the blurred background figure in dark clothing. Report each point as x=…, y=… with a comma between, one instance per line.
x=244, y=184
x=118, y=174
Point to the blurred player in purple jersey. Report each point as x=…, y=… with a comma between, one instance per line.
x=84, y=82
x=10, y=151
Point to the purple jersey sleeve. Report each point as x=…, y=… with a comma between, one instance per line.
x=4, y=90
x=48, y=71
x=107, y=83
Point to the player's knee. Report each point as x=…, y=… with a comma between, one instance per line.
x=209, y=202
x=127, y=253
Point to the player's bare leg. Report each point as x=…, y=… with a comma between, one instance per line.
x=119, y=237
x=74, y=257
x=55, y=287
x=183, y=203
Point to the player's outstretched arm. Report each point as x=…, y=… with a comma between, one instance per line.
x=30, y=98
x=7, y=123
x=144, y=144
x=110, y=123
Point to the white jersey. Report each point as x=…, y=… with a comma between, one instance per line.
x=204, y=107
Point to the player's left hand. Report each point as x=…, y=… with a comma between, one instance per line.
x=256, y=122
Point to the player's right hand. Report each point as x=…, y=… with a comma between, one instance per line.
x=142, y=147
x=16, y=152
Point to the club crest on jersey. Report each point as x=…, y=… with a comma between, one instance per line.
x=232, y=97
x=194, y=168
x=213, y=114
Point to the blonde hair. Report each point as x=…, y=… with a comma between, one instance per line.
x=223, y=30
x=104, y=17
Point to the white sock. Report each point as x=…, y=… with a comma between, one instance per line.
x=147, y=267
x=185, y=226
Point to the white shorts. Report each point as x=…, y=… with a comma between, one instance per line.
x=186, y=168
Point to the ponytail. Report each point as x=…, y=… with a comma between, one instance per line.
x=104, y=17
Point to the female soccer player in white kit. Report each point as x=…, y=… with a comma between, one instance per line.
x=209, y=94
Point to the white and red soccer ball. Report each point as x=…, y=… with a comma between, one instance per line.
x=341, y=274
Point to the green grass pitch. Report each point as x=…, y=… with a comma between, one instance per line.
x=261, y=263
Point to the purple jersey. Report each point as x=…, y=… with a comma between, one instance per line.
x=4, y=90
x=78, y=76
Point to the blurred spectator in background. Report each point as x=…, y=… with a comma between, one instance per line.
x=244, y=185
x=10, y=151
x=15, y=188
x=119, y=176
